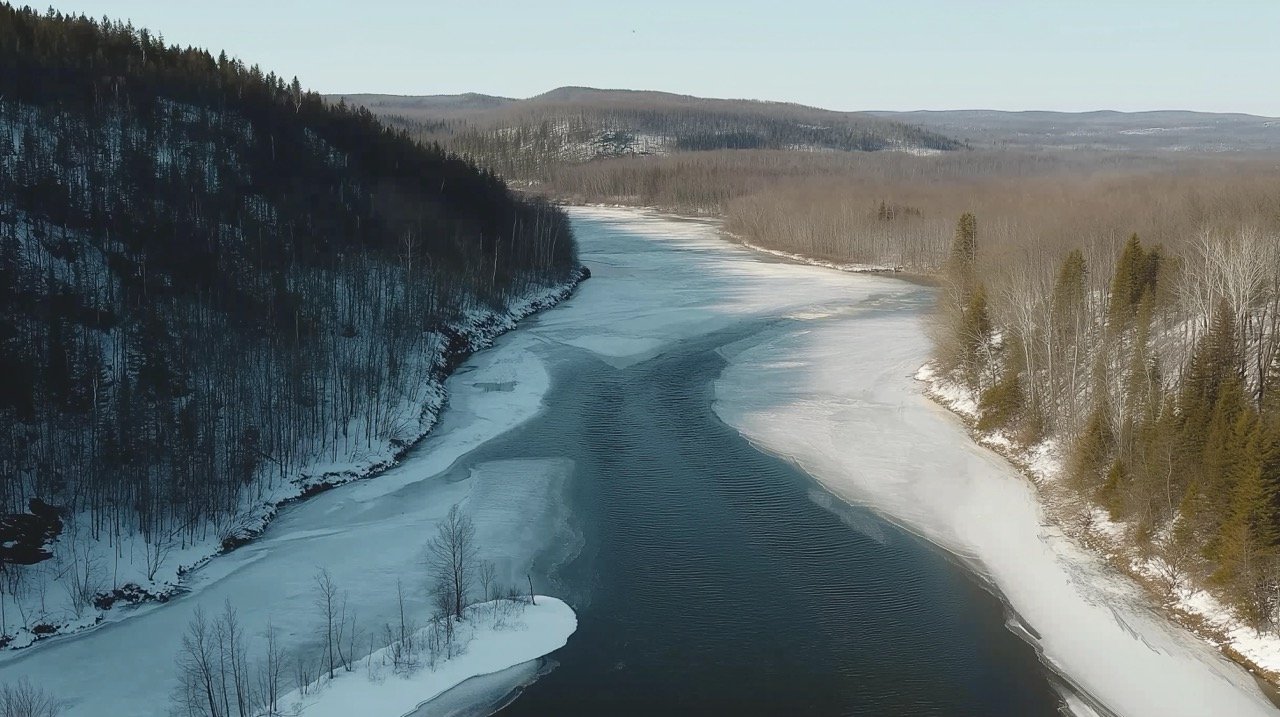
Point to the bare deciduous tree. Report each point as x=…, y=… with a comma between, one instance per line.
x=451, y=559
x=487, y=578
x=26, y=700
x=327, y=604
x=199, y=675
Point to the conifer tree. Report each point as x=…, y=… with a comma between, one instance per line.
x=1214, y=361
x=1137, y=274
x=1095, y=448
x=975, y=337
x=1069, y=288
x=1245, y=544
x=1001, y=405
x=964, y=252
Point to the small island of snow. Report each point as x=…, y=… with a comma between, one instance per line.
x=398, y=679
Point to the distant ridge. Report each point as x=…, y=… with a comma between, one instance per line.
x=527, y=138
x=1155, y=130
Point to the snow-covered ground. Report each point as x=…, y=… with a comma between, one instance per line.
x=835, y=392
x=492, y=638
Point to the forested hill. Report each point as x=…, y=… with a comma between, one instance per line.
x=211, y=280
x=528, y=139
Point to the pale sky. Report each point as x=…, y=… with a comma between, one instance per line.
x=1213, y=55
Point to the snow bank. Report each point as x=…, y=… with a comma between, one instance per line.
x=486, y=643
x=836, y=394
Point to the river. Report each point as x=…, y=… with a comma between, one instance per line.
x=638, y=452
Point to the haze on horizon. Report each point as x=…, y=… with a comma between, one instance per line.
x=920, y=54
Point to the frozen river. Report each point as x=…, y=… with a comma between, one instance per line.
x=639, y=451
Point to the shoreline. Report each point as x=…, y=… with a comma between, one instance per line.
x=462, y=340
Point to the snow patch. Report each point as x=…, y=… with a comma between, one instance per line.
x=487, y=640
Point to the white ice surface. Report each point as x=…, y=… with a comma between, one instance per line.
x=837, y=396
x=374, y=688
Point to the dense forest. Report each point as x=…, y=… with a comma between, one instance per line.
x=211, y=281
x=534, y=140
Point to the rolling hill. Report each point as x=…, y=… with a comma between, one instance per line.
x=526, y=139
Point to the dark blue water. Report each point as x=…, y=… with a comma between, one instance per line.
x=716, y=579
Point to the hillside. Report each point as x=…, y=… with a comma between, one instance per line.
x=217, y=292
x=528, y=139
x=1145, y=131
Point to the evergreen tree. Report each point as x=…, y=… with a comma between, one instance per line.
x=1136, y=276
x=1002, y=405
x=1069, y=289
x=1214, y=362
x=1245, y=545
x=1223, y=452
x=964, y=252
x=1094, y=449
x=975, y=336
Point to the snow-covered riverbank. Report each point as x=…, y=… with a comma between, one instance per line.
x=835, y=392
x=369, y=535
x=122, y=571
x=494, y=636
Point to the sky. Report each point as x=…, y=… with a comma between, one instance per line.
x=1074, y=55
